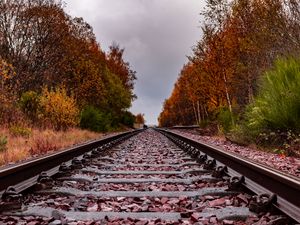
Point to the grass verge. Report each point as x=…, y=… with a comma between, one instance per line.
x=22, y=147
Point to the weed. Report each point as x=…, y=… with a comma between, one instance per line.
x=3, y=143
x=21, y=131
x=39, y=142
x=240, y=134
x=42, y=145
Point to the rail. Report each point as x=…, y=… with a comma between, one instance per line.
x=24, y=175
x=259, y=178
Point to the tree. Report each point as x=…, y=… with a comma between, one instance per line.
x=7, y=94
x=241, y=39
x=118, y=66
x=32, y=35
x=139, y=118
x=118, y=97
x=49, y=48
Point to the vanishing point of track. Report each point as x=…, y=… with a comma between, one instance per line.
x=146, y=177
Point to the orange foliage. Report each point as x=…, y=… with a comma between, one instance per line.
x=58, y=108
x=139, y=118
x=49, y=48
x=240, y=40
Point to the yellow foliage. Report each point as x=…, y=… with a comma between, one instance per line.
x=58, y=108
x=7, y=94
x=22, y=131
x=6, y=70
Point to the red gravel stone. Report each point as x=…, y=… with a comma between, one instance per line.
x=288, y=165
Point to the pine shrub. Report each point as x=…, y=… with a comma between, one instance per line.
x=277, y=106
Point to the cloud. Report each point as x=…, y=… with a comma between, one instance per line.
x=156, y=34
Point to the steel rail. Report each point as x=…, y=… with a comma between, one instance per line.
x=185, y=127
x=259, y=178
x=24, y=174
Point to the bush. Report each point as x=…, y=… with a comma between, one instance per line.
x=20, y=131
x=29, y=103
x=3, y=143
x=204, y=123
x=95, y=120
x=277, y=107
x=241, y=134
x=58, y=108
x=225, y=118
x=128, y=119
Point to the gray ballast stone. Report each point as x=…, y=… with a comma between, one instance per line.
x=143, y=172
x=191, y=180
x=167, y=161
x=221, y=214
x=170, y=194
x=148, y=165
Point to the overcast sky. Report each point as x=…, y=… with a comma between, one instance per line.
x=157, y=36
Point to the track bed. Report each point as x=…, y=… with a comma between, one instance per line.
x=146, y=179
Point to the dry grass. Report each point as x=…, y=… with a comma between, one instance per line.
x=40, y=142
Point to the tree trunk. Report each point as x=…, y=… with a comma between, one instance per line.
x=203, y=112
x=195, y=113
x=206, y=113
x=228, y=97
x=199, y=113
x=250, y=89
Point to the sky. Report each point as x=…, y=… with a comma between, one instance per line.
x=157, y=35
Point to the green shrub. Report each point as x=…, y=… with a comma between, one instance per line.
x=3, y=143
x=277, y=106
x=56, y=107
x=128, y=119
x=29, y=103
x=20, y=131
x=240, y=134
x=93, y=119
x=225, y=119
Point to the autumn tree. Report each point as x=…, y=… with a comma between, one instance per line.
x=7, y=97
x=178, y=108
x=241, y=39
x=32, y=33
x=49, y=48
x=118, y=66
x=139, y=118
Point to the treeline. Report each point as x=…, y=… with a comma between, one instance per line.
x=241, y=40
x=243, y=78
x=54, y=73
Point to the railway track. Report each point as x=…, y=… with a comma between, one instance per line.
x=147, y=177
